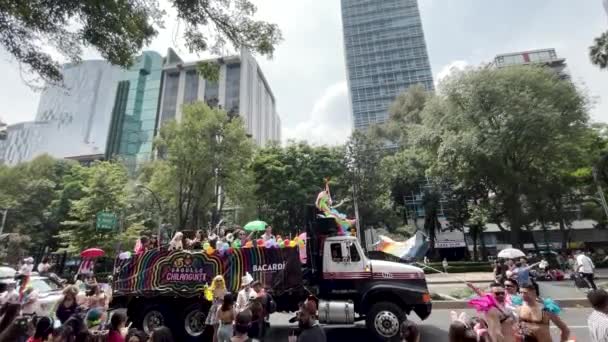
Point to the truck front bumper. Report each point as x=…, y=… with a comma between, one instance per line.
x=423, y=310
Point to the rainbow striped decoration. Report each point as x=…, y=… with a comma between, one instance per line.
x=188, y=273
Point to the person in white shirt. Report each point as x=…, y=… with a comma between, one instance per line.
x=29, y=303
x=244, y=296
x=267, y=233
x=44, y=266
x=585, y=266
x=598, y=320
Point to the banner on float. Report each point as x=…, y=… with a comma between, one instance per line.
x=189, y=272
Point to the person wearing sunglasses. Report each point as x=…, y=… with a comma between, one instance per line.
x=499, y=318
x=512, y=297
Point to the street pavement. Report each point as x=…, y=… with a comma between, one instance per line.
x=434, y=329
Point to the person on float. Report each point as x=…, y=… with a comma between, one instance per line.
x=217, y=291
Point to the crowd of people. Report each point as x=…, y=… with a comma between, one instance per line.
x=200, y=239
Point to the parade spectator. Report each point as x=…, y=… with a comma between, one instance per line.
x=11, y=311
x=265, y=298
x=409, y=332
x=27, y=266
x=535, y=317
x=598, y=320
x=522, y=272
x=162, y=334
x=68, y=304
x=29, y=302
x=135, y=335
x=585, y=266
x=226, y=315
x=256, y=329
x=44, y=328
x=512, y=290
x=500, y=271
x=571, y=263
x=444, y=264
x=311, y=331
x=500, y=320
x=267, y=233
x=462, y=332
x=177, y=243
x=117, y=324
x=247, y=292
x=241, y=327
x=44, y=266
x=96, y=298
x=11, y=292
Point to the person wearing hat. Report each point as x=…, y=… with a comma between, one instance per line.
x=246, y=293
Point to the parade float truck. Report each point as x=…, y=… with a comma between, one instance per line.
x=160, y=287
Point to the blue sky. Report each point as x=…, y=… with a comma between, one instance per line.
x=308, y=74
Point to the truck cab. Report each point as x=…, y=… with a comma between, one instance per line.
x=380, y=292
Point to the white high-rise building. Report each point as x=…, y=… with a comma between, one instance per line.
x=241, y=90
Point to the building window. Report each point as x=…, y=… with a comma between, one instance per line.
x=233, y=85
x=191, y=87
x=170, y=97
x=212, y=94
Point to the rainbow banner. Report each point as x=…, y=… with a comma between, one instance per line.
x=188, y=273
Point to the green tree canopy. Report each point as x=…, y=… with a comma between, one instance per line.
x=506, y=129
x=119, y=29
x=288, y=178
x=204, y=142
x=598, y=52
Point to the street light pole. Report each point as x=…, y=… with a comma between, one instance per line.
x=160, y=210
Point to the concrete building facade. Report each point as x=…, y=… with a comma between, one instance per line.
x=241, y=90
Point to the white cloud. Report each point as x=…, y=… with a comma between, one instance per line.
x=329, y=121
x=449, y=69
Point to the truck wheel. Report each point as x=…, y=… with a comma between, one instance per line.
x=153, y=317
x=194, y=321
x=384, y=320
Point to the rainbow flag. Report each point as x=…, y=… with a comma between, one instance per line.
x=413, y=248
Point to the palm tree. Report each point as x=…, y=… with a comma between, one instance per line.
x=599, y=51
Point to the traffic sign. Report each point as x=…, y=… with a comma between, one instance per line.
x=106, y=221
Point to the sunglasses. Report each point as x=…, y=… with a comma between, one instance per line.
x=499, y=293
x=509, y=285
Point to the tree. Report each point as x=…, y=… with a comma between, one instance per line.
x=598, y=52
x=205, y=150
x=104, y=189
x=288, y=178
x=364, y=153
x=31, y=192
x=505, y=128
x=119, y=29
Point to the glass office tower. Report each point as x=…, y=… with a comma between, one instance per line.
x=385, y=54
x=134, y=114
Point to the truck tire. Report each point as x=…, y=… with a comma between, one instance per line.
x=154, y=316
x=193, y=318
x=384, y=320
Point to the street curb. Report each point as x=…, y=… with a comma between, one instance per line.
x=475, y=281
x=461, y=304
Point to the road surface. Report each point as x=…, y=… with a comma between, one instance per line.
x=433, y=329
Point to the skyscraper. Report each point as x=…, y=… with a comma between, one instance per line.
x=134, y=116
x=242, y=90
x=385, y=54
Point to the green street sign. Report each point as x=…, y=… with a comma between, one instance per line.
x=106, y=221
